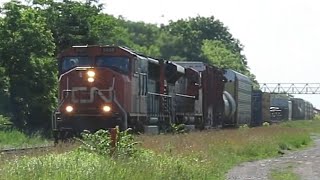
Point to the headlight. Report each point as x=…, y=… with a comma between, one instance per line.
x=106, y=108
x=90, y=79
x=69, y=109
x=91, y=73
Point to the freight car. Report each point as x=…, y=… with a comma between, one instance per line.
x=301, y=109
x=210, y=87
x=284, y=107
x=234, y=109
x=260, y=108
x=281, y=107
x=238, y=91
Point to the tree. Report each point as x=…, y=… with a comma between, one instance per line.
x=77, y=23
x=69, y=21
x=25, y=41
x=217, y=54
x=193, y=31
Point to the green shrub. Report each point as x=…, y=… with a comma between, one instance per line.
x=244, y=126
x=266, y=124
x=101, y=143
x=316, y=117
x=178, y=128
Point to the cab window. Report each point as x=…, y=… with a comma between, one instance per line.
x=71, y=62
x=119, y=64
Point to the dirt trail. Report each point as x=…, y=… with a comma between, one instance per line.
x=305, y=164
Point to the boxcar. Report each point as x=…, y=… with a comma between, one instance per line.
x=239, y=87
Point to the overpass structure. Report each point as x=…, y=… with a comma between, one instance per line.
x=290, y=88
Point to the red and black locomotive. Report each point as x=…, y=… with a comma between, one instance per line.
x=108, y=86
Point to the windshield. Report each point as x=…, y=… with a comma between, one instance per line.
x=71, y=62
x=120, y=64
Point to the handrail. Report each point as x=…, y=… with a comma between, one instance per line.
x=185, y=96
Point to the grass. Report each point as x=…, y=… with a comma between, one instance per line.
x=14, y=138
x=284, y=174
x=10, y=137
x=196, y=155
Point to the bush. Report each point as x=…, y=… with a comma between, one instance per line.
x=266, y=124
x=101, y=142
x=178, y=128
x=316, y=117
x=5, y=123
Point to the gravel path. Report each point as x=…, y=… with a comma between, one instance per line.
x=305, y=163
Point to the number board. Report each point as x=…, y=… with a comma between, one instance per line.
x=108, y=49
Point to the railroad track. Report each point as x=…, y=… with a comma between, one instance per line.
x=25, y=150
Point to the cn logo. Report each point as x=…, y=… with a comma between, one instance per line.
x=93, y=91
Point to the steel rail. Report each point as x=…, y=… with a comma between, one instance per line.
x=24, y=149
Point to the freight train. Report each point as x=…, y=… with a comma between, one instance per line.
x=108, y=86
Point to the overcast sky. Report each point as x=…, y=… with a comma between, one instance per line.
x=281, y=37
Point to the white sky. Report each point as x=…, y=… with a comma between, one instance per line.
x=281, y=37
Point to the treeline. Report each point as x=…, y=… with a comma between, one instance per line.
x=32, y=35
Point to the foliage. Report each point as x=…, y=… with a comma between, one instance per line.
x=284, y=174
x=178, y=128
x=86, y=165
x=4, y=120
x=266, y=124
x=14, y=138
x=196, y=155
x=102, y=143
x=69, y=21
x=316, y=117
x=218, y=54
x=4, y=91
x=25, y=38
x=5, y=123
x=243, y=127
x=193, y=31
